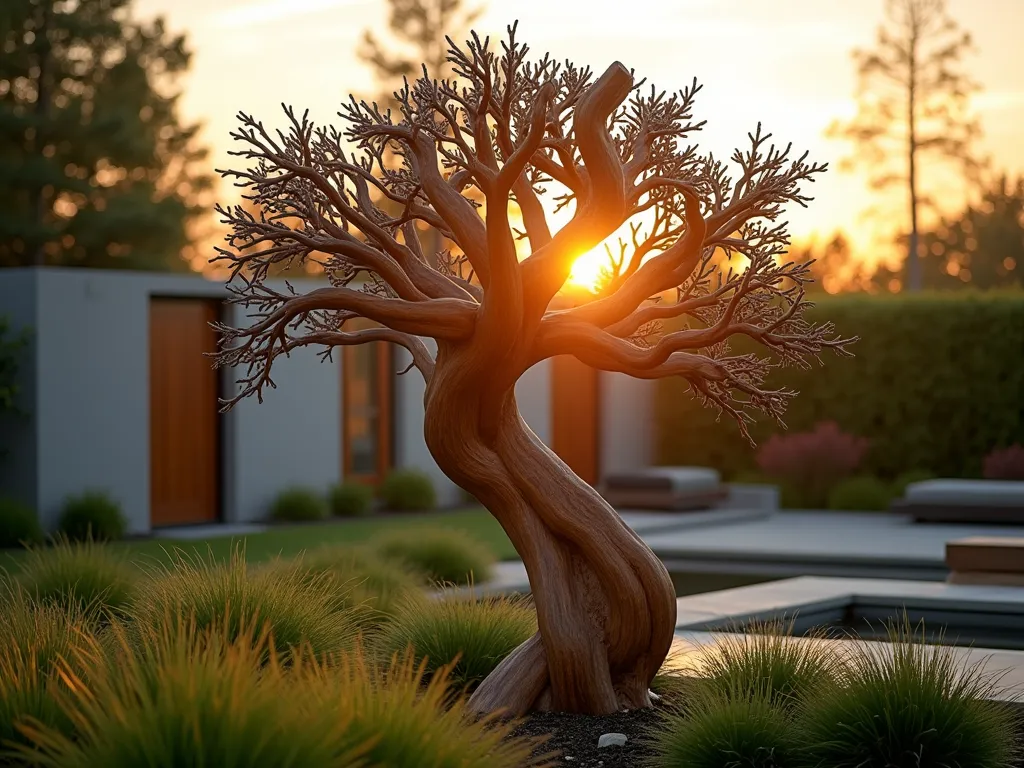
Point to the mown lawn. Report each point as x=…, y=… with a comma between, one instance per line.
x=292, y=540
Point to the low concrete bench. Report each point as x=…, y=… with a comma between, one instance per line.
x=986, y=560
x=665, y=488
x=964, y=501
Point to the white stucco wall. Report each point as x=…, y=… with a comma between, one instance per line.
x=89, y=400
x=627, y=423
x=85, y=382
x=292, y=438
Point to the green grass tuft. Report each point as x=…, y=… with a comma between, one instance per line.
x=766, y=658
x=743, y=729
x=96, y=577
x=178, y=696
x=473, y=636
x=34, y=639
x=415, y=720
x=910, y=705
x=296, y=608
x=442, y=555
x=182, y=696
x=362, y=576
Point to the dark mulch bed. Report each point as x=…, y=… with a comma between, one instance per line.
x=574, y=737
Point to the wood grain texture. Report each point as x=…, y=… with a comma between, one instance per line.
x=184, y=434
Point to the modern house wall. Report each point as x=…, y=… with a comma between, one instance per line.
x=85, y=386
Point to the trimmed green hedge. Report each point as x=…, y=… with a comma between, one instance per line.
x=937, y=381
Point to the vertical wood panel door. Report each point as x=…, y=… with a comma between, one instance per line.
x=184, y=424
x=575, y=416
x=366, y=410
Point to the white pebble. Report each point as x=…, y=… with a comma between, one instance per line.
x=612, y=740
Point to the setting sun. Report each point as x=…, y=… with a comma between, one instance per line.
x=587, y=269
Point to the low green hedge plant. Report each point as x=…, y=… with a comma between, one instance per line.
x=899, y=485
x=19, y=525
x=442, y=555
x=92, y=515
x=472, y=636
x=864, y=493
x=408, y=490
x=298, y=505
x=351, y=499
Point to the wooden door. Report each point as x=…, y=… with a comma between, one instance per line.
x=575, y=416
x=366, y=410
x=184, y=424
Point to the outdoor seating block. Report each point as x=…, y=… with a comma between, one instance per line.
x=964, y=501
x=986, y=554
x=665, y=488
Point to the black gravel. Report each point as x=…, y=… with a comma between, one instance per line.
x=574, y=737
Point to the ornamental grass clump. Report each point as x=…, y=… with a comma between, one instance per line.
x=98, y=578
x=468, y=635
x=34, y=639
x=296, y=608
x=744, y=728
x=766, y=658
x=181, y=696
x=413, y=718
x=909, y=705
x=441, y=555
x=362, y=577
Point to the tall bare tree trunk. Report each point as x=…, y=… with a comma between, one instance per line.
x=606, y=605
x=38, y=195
x=913, y=258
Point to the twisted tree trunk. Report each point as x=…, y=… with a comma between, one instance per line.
x=606, y=606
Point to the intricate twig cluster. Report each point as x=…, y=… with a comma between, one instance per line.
x=504, y=130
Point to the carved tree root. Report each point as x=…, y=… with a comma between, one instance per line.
x=605, y=604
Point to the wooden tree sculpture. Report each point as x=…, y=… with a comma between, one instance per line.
x=509, y=127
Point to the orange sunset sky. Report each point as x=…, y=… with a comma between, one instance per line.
x=786, y=63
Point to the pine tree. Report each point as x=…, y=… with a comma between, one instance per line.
x=96, y=167
x=418, y=30
x=418, y=40
x=913, y=102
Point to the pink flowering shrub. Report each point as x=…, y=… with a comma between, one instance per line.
x=1005, y=464
x=809, y=464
